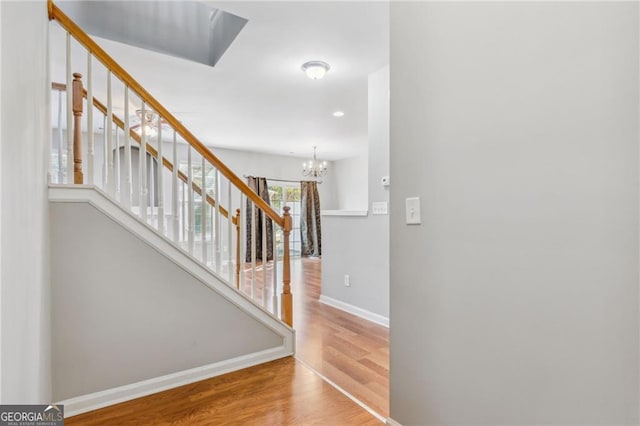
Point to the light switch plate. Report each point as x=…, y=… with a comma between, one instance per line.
x=412, y=211
x=379, y=207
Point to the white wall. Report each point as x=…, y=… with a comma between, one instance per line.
x=359, y=246
x=351, y=177
x=24, y=278
x=516, y=300
x=123, y=312
x=1, y=211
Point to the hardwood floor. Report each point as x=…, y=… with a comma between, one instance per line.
x=351, y=352
x=282, y=392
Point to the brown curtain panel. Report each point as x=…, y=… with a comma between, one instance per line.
x=310, y=230
x=253, y=221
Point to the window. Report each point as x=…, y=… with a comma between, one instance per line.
x=281, y=195
x=58, y=166
x=196, y=176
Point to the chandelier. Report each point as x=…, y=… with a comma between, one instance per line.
x=314, y=168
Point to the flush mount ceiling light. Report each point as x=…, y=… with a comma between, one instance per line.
x=149, y=122
x=338, y=114
x=315, y=70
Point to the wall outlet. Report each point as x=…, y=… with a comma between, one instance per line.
x=347, y=283
x=379, y=207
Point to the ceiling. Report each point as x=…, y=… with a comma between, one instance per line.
x=257, y=98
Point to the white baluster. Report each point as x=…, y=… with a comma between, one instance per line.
x=69, y=114
x=242, y=242
x=212, y=227
x=104, y=151
x=218, y=224
x=192, y=216
x=116, y=161
x=253, y=249
x=160, y=182
x=152, y=187
x=143, y=189
x=128, y=196
x=274, y=296
x=60, y=165
x=230, y=233
x=109, y=182
x=90, y=139
x=174, y=191
x=264, y=259
x=203, y=212
x=183, y=213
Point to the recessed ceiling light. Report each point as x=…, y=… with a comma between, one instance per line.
x=315, y=70
x=338, y=114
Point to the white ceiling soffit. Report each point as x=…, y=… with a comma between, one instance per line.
x=187, y=29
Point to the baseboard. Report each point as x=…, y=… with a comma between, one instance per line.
x=392, y=422
x=94, y=401
x=354, y=310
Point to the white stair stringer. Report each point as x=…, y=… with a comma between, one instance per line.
x=102, y=202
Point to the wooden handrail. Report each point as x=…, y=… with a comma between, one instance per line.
x=285, y=221
x=61, y=87
x=128, y=80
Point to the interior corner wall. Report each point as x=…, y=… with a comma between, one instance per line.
x=24, y=270
x=516, y=300
x=359, y=246
x=378, y=130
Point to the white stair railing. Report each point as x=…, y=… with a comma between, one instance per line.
x=133, y=170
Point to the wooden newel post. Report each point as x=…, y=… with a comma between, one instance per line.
x=77, y=128
x=287, y=297
x=238, y=249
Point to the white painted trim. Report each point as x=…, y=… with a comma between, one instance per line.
x=344, y=392
x=101, y=201
x=354, y=310
x=96, y=400
x=390, y=422
x=344, y=212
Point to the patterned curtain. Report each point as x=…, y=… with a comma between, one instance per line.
x=311, y=235
x=259, y=185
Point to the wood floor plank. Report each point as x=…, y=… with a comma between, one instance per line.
x=282, y=392
x=350, y=351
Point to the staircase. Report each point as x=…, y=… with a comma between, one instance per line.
x=157, y=181
x=199, y=205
